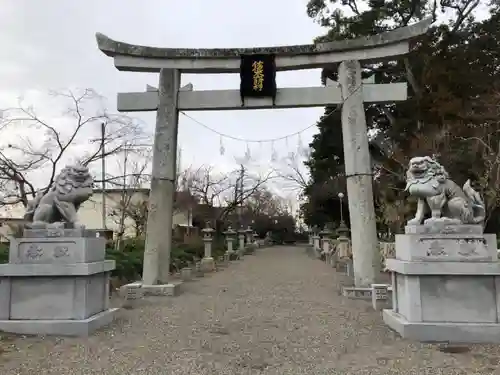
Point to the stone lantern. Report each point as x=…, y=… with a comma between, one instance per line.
x=255, y=237
x=207, y=263
x=230, y=237
x=344, y=241
x=325, y=239
x=343, y=231
x=248, y=233
x=315, y=238
x=241, y=239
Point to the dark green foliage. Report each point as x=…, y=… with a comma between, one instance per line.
x=4, y=253
x=451, y=112
x=129, y=261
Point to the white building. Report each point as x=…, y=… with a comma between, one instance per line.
x=90, y=213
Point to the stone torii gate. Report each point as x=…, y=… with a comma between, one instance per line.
x=169, y=99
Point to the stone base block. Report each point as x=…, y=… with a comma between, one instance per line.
x=249, y=250
x=357, y=292
x=473, y=333
x=198, y=272
x=59, y=327
x=186, y=274
x=364, y=293
x=331, y=259
x=223, y=261
x=49, y=297
x=446, y=287
x=341, y=266
x=132, y=291
x=208, y=264
x=317, y=253
x=381, y=296
x=447, y=247
x=170, y=290
x=349, y=268
x=54, y=249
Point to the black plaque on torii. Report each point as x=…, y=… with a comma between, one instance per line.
x=258, y=77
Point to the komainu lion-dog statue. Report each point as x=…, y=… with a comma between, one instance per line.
x=59, y=205
x=440, y=197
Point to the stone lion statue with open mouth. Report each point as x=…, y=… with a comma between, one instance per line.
x=440, y=197
x=60, y=204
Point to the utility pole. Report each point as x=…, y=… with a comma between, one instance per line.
x=103, y=174
x=240, y=183
x=124, y=200
x=125, y=157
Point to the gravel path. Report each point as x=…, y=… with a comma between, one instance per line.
x=277, y=312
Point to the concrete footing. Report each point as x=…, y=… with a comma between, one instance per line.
x=357, y=292
x=68, y=327
x=208, y=264
x=171, y=290
x=473, y=333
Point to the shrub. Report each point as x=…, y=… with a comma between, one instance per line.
x=193, y=248
x=128, y=265
x=129, y=261
x=4, y=252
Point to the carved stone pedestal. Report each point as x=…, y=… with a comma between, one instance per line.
x=446, y=285
x=208, y=264
x=56, y=283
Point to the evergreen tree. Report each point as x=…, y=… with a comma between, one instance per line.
x=451, y=72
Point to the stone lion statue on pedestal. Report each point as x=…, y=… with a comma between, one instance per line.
x=440, y=197
x=72, y=187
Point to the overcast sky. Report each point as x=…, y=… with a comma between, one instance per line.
x=51, y=45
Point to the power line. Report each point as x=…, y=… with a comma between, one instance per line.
x=243, y=139
x=269, y=140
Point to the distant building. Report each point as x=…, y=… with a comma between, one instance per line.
x=7, y=225
x=90, y=213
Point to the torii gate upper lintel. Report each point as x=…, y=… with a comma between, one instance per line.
x=350, y=90
x=137, y=58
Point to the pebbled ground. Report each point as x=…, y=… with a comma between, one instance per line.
x=276, y=312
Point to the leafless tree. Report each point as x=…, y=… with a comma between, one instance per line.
x=263, y=201
x=131, y=205
x=207, y=185
x=226, y=191
x=292, y=171
x=33, y=146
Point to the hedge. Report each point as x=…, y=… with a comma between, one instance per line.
x=129, y=260
x=4, y=252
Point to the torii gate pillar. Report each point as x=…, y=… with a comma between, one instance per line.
x=156, y=266
x=358, y=170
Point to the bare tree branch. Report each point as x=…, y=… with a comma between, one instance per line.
x=31, y=162
x=292, y=169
